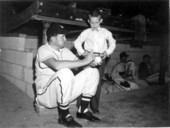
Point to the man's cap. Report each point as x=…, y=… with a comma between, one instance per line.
x=123, y=54
x=55, y=29
x=146, y=55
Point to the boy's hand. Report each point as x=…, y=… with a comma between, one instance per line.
x=86, y=53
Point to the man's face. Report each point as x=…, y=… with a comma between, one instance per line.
x=95, y=22
x=124, y=59
x=59, y=40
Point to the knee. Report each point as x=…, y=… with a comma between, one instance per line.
x=93, y=74
x=65, y=73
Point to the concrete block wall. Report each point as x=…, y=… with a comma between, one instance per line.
x=16, y=61
x=17, y=55
x=136, y=54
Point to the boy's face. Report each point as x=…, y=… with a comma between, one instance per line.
x=95, y=22
x=59, y=40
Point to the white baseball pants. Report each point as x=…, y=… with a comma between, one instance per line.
x=63, y=87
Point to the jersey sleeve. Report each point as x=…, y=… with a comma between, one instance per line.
x=44, y=54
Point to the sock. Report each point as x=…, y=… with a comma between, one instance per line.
x=64, y=111
x=85, y=100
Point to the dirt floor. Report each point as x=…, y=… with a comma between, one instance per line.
x=139, y=108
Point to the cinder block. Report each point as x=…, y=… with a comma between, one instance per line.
x=3, y=75
x=1, y=66
x=29, y=91
x=15, y=43
x=31, y=43
x=28, y=75
x=13, y=70
x=5, y=68
x=133, y=49
x=16, y=71
x=10, y=78
x=121, y=47
x=10, y=56
x=18, y=57
x=24, y=58
x=134, y=55
x=2, y=54
x=115, y=55
x=20, y=84
x=150, y=48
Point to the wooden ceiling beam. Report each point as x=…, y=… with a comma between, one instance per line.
x=76, y=23
x=46, y=11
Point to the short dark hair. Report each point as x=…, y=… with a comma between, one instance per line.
x=94, y=13
x=146, y=56
x=123, y=54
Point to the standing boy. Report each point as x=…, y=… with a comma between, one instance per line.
x=98, y=40
x=56, y=84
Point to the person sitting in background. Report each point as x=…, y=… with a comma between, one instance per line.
x=147, y=72
x=144, y=70
x=123, y=73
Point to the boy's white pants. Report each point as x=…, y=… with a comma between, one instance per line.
x=63, y=87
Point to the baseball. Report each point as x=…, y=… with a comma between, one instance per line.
x=98, y=59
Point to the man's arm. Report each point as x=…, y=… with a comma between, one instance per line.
x=59, y=64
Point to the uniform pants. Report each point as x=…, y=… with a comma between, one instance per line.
x=63, y=87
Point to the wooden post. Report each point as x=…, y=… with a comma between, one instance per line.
x=164, y=50
x=163, y=59
x=169, y=58
x=45, y=27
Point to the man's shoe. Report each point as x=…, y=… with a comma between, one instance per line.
x=69, y=122
x=88, y=116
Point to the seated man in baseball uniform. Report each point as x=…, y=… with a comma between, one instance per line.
x=56, y=84
x=123, y=73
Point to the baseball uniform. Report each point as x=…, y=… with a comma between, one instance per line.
x=120, y=68
x=61, y=86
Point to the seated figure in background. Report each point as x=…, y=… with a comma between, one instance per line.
x=123, y=73
x=147, y=71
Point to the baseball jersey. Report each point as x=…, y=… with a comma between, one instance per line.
x=120, y=67
x=95, y=40
x=45, y=52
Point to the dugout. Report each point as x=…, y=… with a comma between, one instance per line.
x=25, y=29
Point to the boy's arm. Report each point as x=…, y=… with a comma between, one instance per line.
x=112, y=44
x=78, y=44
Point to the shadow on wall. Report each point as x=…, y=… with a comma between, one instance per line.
x=34, y=77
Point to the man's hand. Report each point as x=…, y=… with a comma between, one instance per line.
x=90, y=57
x=94, y=64
x=86, y=53
x=97, y=61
